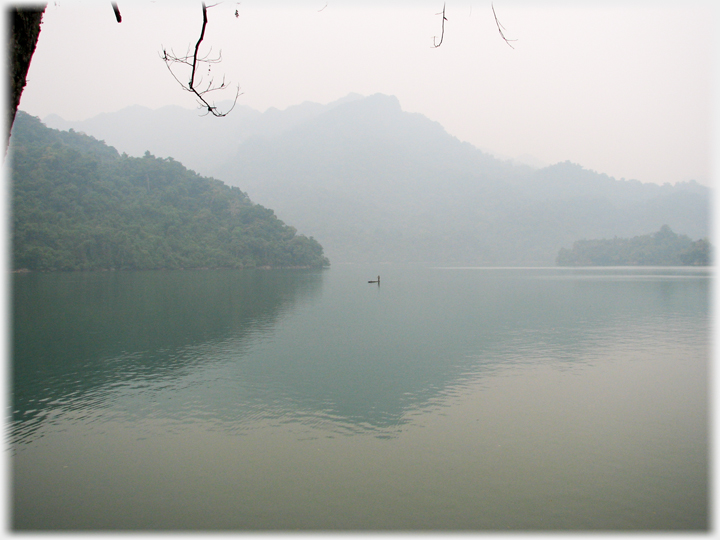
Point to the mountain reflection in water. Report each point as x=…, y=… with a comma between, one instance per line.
x=228, y=345
x=448, y=398
x=79, y=336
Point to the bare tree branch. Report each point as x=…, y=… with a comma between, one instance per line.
x=194, y=61
x=500, y=28
x=442, y=35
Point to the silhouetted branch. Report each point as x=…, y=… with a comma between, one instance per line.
x=442, y=35
x=500, y=28
x=116, y=10
x=196, y=85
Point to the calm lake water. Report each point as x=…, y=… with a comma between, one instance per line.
x=443, y=399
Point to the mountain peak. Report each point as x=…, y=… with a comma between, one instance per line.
x=377, y=102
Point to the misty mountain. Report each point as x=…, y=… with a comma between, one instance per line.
x=373, y=183
x=187, y=135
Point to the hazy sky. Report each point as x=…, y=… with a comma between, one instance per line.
x=624, y=88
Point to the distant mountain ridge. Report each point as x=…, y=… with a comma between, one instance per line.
x=373, y=183
x=185, y=134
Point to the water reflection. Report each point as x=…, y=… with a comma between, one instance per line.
x=230, y=348
x=426, y=334
x=445, y=399
x=80, y=336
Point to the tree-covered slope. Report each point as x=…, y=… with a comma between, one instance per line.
x=375, y=183
x=79, y=205
x=663, y=248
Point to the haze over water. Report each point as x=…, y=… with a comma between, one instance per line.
x=443, y=399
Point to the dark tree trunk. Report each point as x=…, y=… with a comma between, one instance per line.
x=24, y=22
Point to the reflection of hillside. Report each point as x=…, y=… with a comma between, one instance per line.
x=367, y=362
x=356, y=358
x=70, y=329
x=428, y=334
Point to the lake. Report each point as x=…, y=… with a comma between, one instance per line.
x=442, y=399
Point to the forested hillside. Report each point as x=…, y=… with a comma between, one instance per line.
x=374, y=183
x=79, y=205
x=663, y=248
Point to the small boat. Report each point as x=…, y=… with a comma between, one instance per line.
x=375, y=280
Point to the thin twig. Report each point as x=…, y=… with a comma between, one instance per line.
x=500, y=28
x=442, y=35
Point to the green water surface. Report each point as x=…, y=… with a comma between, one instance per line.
x=442, y=399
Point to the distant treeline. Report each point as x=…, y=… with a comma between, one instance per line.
x=79, y=205
x=663, y=248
